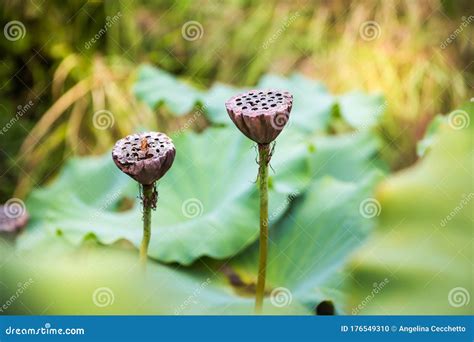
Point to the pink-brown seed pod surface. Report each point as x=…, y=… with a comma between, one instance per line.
x=145, y=157
x=260, y=114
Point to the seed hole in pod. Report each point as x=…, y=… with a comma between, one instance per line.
x=273, y=105
x=135, y=155
x=158, y=150
x=149, y=155
x=254, y=108
x=270, y=92
x=148, y=136
x=244, y=107
x=162, y=145
x=250, y=93
x=278, y=94
x=239, y=103
x=266, y=108
x=128, y=143
x=264, y=104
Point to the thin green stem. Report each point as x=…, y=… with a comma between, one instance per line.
x=148, y=200
x=264, y=158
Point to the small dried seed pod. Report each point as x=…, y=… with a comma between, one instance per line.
x=12, y=219
x=260, y=114
x=145, y=157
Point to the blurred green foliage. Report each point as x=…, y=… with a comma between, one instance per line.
x=424, y=246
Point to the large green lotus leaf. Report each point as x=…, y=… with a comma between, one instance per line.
x=310, y=245
x=423, y=250
x=361, y=110
x=308, y=249
x=312, y=104
x=155, y=86
x=58, y=278
x=346, y=157
x=208, y=201
x=198, y=213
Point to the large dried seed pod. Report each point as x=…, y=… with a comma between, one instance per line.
x=260, y=114
x=145, y=157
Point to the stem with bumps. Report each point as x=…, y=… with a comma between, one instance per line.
x=264, y=158
x=148, y=200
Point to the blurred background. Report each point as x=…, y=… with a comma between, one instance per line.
x=402, y=48
x=155, y=65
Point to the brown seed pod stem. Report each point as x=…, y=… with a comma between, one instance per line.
x=264, y=154
x=145, y=157
x=261, y=115
x=149, y=199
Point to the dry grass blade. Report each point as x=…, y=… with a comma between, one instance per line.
x=54, y=113
x=62, y=72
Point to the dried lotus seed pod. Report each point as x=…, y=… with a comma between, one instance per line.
x=145, y=157
x=260, y=114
